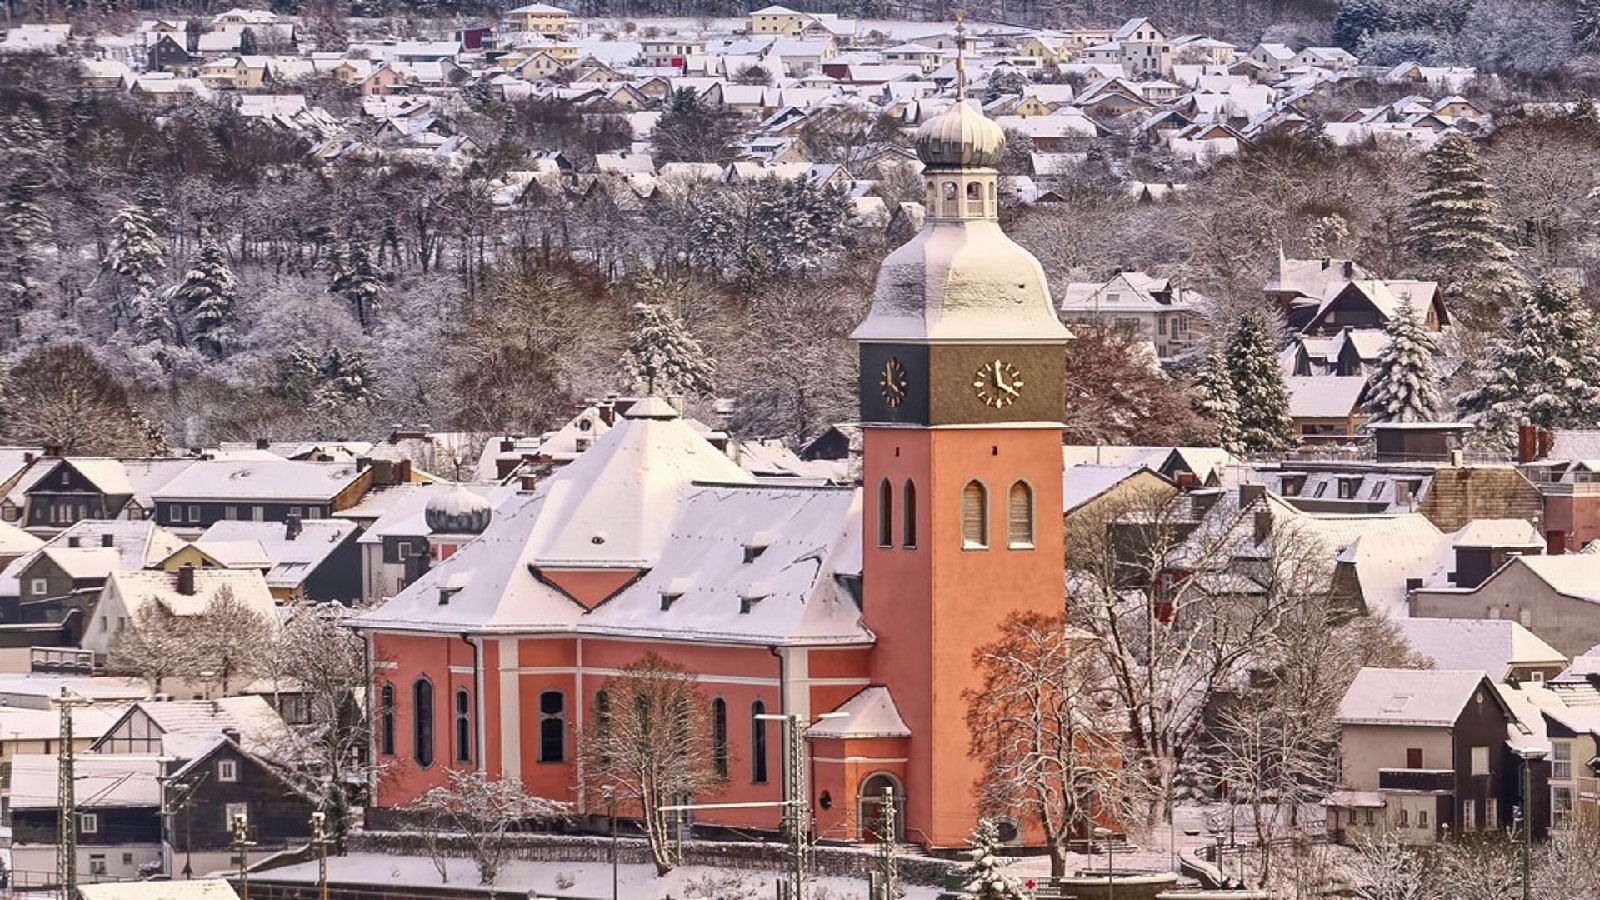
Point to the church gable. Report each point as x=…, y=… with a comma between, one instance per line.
x=587, y=587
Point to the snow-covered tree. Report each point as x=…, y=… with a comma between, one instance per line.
x=482, y=810
x=664, y=356
x=1586, y=24
x=1359, y=18
x=1258, y=387
x=775, y=226
x=1456, y=230
x=1405, y=387
x=356, y=279
x=136, y=251
x=208, y=296
x=1216, y=402
x=1545, y=372
x=984, y=876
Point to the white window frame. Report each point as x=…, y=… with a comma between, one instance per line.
x=228, y=772
x=1560, y=760
x=194, y=513
x=1468, y=818
x=88, y=823
x=235, y=809
x=1480, y=760
x=38, y=587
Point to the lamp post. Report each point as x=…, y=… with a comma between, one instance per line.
x=242, y=843
x=319, y=836
x=1529, y=755
x=611, y=805
x=1105, y=835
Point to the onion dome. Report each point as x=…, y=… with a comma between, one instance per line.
x=457, y=511
x=961, y=137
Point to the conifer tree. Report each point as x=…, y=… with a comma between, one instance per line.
x=1358, y=19
x=208, y=296
x=135, y=250
x=1586, y=24
x=664, y=356
x=1257, y=381
x=1545, y=372
x=984, y=876
x=1405, y=387
x=1216, y=402
x=356, y=279
x=1456, y=232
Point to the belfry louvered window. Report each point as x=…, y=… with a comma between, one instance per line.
x=974, y=515
x=1019, y=516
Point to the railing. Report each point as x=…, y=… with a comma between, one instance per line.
x=1432, y=780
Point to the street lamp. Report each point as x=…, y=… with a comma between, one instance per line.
x=611, y=804
x=1529, y=755
x=1105, y=835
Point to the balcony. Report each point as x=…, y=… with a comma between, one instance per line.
x=1425, y=781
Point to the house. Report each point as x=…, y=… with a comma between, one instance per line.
x=311, y=559
x=1145, y=51
x=168, y=54
x=70, y=490
x=186, y=593
x=186, y=729
x=223, y=781
x=1423, y=751
x=26, y=731
x=61, y=581
x=1327, y=408
x=420, y=527
x=669, y=51
x=1554, y=597
x=541, y=18
x=1142, y=306
x=1335, y=59
x=1274, y=58
x=119, y=816
x=1371, y=304
x=779, y=20
x=265, y=490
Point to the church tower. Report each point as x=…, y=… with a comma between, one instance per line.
x=962, y=394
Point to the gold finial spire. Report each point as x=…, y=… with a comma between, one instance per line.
x=961, y=68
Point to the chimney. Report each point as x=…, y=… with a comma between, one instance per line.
x=29, y=457
x=291, y=526
x=261, y=443
x=231, y=733
x=528, y=481
x=1263, y=525
x=1527, y=444
x=1250, y=493
x=106, y=540
x=507, y=445
x=52, y=450
x=186, y=580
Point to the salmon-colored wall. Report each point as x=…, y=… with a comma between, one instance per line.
x=839, y=768
x=1576, y=516
x=931, y=607
x=403, y=658
x=589, y=586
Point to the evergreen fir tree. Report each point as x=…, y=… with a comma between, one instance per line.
x=1405, y=387
x=208, y=297
x=664, y=356
x=1359, y=18
x=984, y=876
x=1455, y=230
x=1545, y=372
x=135, y=250
x=1257, y=381
x=356, y=279
x=1586, y=24
x=1216, y=402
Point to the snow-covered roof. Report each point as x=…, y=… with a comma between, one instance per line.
x=1575, y=575
x=1498, y=533
x=1493, y=646
x=146, y=585
x=26, y=724
x=103, y=782
x=401, y=512
x=137, y=543
x=201, y=889
x=84, y=562
x=1080, y=484
x=281, y=480
x=1324, y=396
x=293, y=559
x=189, y=727
x=1417, y=697
x=871, y=713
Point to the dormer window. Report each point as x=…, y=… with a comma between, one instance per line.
x=752, y=595
x=757, y=545
x=1293, y=485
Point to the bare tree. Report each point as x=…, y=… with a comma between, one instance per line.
x=1388, y=869
x=651, y=745
x=481, y=811
x=226, y=641
x=155, y=645
x=60, y=395
x=1047, y=726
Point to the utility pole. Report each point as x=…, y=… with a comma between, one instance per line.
x=886, y=840
x=67, y=799
x=797, y=803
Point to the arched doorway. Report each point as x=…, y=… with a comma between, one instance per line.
x=869, y=807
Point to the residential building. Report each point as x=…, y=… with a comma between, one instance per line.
x=1423, y=751
x=261, y=490
x=119, y=817
x=541, y=18
x=1554, y=597
x=1142, y=306
x=186, y=593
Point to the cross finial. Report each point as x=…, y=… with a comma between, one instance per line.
x=961, y=68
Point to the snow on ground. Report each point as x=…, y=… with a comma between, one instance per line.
x=577, y=881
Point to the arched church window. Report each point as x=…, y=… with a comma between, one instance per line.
x=1019, y=516
x=758, y=743
x=719, y=738
x=463, y=725
x=552, y=726
x=974, y=516
x=885, y=514
x=908, y=512
x=422, y=722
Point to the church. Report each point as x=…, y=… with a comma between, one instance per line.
x=861, y=602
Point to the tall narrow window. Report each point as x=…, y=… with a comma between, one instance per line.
x=885, y=514
x=602, y=723
x=463, y=726
x=422, y=722
x=908, y=509
x=386, y=720
x=719, y=737
x=974, y=515
x=758, y=743
x=552, y=726
x=1019, y=516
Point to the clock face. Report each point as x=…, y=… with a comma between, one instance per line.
x=997, y=384
x=892, y=381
